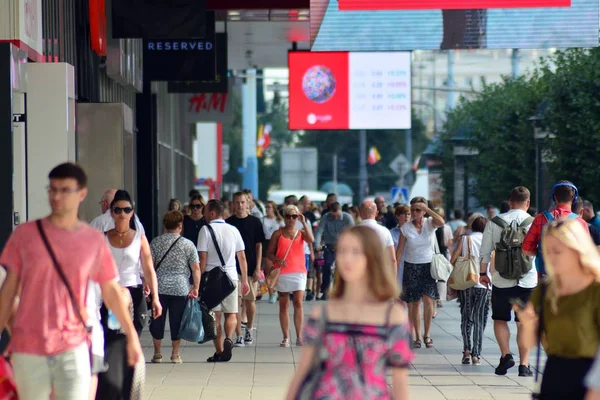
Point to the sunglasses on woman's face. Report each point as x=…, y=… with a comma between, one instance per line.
x=120, y=210
x=196, y=206
x=292, y=216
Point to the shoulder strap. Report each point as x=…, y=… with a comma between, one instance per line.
x=548, y=215
x=540, y=329
x=165, y=255
x=573, y=216
x=62, y=275
x=500, y=222
x=291, y=244
x=214, y=239
x=526, y=222
x=468, y=246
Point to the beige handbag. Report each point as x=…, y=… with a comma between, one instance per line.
x=465, y=274
x=274, y=274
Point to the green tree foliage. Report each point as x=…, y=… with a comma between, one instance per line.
x=572, y=89
x=345, y=144
x=496, y=123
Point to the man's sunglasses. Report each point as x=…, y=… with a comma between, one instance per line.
x=196, y=206
x=120, y=210
x=292, y=216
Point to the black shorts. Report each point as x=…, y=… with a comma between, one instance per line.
x=501, y=305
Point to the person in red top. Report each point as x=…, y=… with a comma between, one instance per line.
x=564, y=193
x=49, y=342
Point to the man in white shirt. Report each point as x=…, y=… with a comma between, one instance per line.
x=368, y=213
x=231, y=244
x=105, y=222
x=504, y=291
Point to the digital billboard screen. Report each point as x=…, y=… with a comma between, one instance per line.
x=342, y=90
x=396, y=25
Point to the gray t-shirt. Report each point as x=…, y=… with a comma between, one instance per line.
x=173, y=274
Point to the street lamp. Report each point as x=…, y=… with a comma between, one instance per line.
x=540, y=136
x=461, y=178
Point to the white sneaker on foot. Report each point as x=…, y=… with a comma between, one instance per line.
x=239, y=342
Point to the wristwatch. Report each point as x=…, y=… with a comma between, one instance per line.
x=483, y=274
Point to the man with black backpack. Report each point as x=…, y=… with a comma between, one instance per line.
x=514, y=276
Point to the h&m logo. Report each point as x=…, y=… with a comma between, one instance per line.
x=208, y=102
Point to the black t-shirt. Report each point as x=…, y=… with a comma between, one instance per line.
x=252, y=233
x=310, y=216
x=595, y=234
x=191, y=228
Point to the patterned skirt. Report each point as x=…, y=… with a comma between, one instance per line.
x=417, y=282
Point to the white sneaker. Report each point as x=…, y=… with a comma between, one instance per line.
x=239, y=342
x=248, y=338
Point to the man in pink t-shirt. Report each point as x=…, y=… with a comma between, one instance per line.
x=49, y=342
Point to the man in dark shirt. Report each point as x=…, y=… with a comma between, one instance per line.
x=579, y=208
x=331, y=199
x=253, y=235
x=194, y=222
x=385, y=217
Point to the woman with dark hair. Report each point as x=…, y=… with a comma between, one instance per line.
x=195, y=221
x=474, y=302
x=129, y=248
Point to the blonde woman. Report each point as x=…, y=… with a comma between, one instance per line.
x=361, y=336
x=271, y=224
x=569, y=304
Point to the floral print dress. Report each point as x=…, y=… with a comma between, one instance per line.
x=358, y=358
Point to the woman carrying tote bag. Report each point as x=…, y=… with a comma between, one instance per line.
x=475, y=300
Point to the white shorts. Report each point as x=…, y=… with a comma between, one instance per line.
x=229, y=305
x=289, y=283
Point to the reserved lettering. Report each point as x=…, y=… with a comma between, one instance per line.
x=179, y=45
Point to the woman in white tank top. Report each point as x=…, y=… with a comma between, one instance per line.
x=129, y=247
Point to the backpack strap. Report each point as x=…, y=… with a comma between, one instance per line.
x=526, y=222
x=548, y=215
x=500, y=222
x=573, y=216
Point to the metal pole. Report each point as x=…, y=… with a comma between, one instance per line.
x=250, y=176
x=538, y=176
x=335, y=173
x=408, y=153
x=363, y=165
x=450, y=83
x=515, y=63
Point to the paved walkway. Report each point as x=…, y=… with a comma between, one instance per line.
x=262, y=371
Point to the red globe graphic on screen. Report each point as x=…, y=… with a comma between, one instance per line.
x=318, y=84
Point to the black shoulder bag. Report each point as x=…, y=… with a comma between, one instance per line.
x=215, y=285
x=64, y=280
x=537, y=391
x=149, y=302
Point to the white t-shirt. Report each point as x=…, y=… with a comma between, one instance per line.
x=418, y=248
x=385, y=236
x=230, y=242
x=93, y=303
x=476, y=238
x=128, y=261
x=270, y=226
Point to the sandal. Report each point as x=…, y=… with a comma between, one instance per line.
x=428, y=342
x=157, y=358
x=417, y=344
x=466, y=359
x=475, y=360
x=300, y=342
x=176, y=359
x=285, y=343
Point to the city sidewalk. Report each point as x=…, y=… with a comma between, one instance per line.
x=262, y=371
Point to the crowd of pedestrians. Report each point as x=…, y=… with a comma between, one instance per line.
x=75, y=298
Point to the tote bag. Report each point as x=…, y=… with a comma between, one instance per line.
x=465, y=274
x=440, y=266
